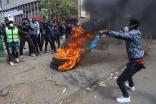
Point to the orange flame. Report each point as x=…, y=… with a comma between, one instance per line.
x=72, y=51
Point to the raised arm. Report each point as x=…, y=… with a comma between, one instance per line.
x=129, y=35
x=121, y=35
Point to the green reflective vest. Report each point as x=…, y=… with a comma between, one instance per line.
x=12, y=35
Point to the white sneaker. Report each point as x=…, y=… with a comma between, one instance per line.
x=33, y=55
x=11, y=63
x=123, y=100
x=130, y=88
x=17, y=60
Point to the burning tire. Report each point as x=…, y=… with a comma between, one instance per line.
x=67, y=58
x=57, y=62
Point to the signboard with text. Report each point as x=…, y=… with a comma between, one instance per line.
x=13, y=13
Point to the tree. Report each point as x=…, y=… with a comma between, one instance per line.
x=57, y=8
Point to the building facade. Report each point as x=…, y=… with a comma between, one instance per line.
x=20, y=8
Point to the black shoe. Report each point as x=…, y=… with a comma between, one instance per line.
x=37, y=54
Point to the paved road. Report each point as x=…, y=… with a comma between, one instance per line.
x=33, y=82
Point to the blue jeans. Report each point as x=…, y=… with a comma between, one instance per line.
x=13, y=50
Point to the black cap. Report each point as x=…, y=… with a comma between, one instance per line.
x=134, y=23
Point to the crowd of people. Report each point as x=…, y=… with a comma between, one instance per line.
x=36, y=34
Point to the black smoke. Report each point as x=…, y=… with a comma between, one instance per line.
x=114, y=14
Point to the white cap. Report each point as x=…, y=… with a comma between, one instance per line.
x=11, y=18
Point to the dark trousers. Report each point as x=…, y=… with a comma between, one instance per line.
x=67, y=36
x=39, y=41
x=30, y=44
x=127, y=75
x=13, y=51
x=46, y=40
x=35, y=42
x=58, y=40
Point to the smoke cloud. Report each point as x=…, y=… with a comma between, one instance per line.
x=114, y=14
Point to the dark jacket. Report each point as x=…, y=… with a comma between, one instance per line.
x=44, y=28
x=25, y=32
x=54, y=30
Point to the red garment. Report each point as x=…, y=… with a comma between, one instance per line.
x=140, y=61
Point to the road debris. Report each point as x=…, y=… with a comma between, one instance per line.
x=12, y=101
x=4, y=92
x=65, y=89
x=89, y=89
x=116, y=73
x=49, y=79
x=102, y=84
x=61, y=102
x=84, y=93
x=94, y=86
x=113, y=76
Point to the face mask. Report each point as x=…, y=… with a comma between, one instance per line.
x=11, y=25
x=126, y=29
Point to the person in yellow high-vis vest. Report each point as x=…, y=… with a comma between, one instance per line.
x=12, y=41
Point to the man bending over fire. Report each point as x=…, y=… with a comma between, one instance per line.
x=132, y=37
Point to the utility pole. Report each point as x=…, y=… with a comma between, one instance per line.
x=1, y=40
x=2, y=10
x=79, y=10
